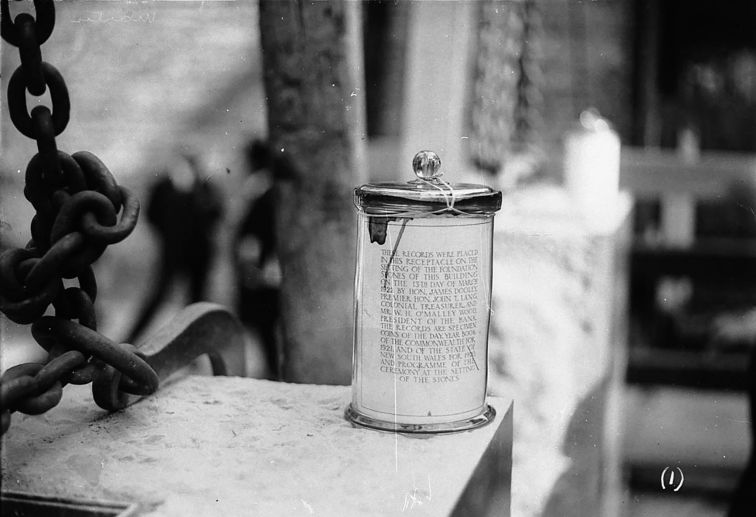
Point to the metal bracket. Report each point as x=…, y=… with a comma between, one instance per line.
x=199, y=329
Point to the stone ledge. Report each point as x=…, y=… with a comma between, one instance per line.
x=235, y=446
x=557, y=346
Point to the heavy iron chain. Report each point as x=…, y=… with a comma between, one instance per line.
x=77, y=203
x=506, y=99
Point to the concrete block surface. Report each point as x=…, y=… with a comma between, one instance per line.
x=239, y=446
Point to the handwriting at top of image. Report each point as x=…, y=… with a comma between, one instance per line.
x=101, y=17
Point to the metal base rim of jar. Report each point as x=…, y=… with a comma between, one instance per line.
x=486, y=417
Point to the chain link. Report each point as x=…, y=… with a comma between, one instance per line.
x=44, y=23
x=18, y=111
x=80, y=210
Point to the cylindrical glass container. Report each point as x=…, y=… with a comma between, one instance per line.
x=422, y=303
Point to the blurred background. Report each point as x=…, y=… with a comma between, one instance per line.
x=170, y=95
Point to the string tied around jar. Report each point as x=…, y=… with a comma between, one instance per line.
x=427, y=167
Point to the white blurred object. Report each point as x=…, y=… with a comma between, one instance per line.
x=591, y=166
x=688, y=145
x=678, y=209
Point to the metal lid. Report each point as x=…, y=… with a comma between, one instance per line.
x=427, y=195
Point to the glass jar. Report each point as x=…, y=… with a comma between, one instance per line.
x=422, y=303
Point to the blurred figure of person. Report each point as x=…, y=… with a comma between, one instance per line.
x=184, y=208
x=255, y=256
x=744, y=500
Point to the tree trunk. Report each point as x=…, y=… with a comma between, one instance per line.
x=312, y=57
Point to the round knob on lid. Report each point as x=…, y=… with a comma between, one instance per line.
x=427, y=165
